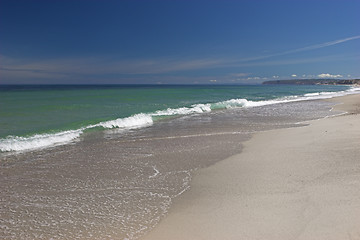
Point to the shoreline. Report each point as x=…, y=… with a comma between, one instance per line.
x=281, y=192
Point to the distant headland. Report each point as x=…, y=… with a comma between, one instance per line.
x=316, y=82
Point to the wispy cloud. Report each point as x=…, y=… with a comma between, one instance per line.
x=322, y=45
x=89, y=66
x=295, y=60
x=303, y=49
x=100, y=66
x=240, y=74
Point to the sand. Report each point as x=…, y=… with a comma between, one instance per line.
x=296, y=183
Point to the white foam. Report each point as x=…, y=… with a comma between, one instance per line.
x=354, y=89
x=15, y=143
x=319, y=94
x=232, y=103
x=136, y=121
x=196, y=108
x=156, y=172
x=235, y=103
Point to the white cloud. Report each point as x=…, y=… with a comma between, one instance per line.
x=213, y=80
x=294, y=75
x=328, y=75
x=275, y=77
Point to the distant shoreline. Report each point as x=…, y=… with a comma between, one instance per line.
x=316, y=82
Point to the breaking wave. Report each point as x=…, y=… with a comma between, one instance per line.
x=15, y=143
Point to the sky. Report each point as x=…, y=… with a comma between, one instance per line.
x=177, y=42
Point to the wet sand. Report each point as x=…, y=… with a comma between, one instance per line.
x=295, y=183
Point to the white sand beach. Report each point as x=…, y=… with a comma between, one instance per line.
x=295, y=183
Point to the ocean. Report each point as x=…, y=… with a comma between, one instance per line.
x=34, y=117
x=107, y=161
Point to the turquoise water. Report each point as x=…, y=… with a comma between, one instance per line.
x=26, y=111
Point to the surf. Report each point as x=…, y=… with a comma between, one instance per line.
x=140, y=120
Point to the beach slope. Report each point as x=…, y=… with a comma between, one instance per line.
x=296, y=183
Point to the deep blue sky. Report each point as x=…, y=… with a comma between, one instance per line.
x=85, y=41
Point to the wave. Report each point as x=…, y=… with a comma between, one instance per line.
x=136, y=121
x=318, y=94
x=196, y=108
x=16, y=143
